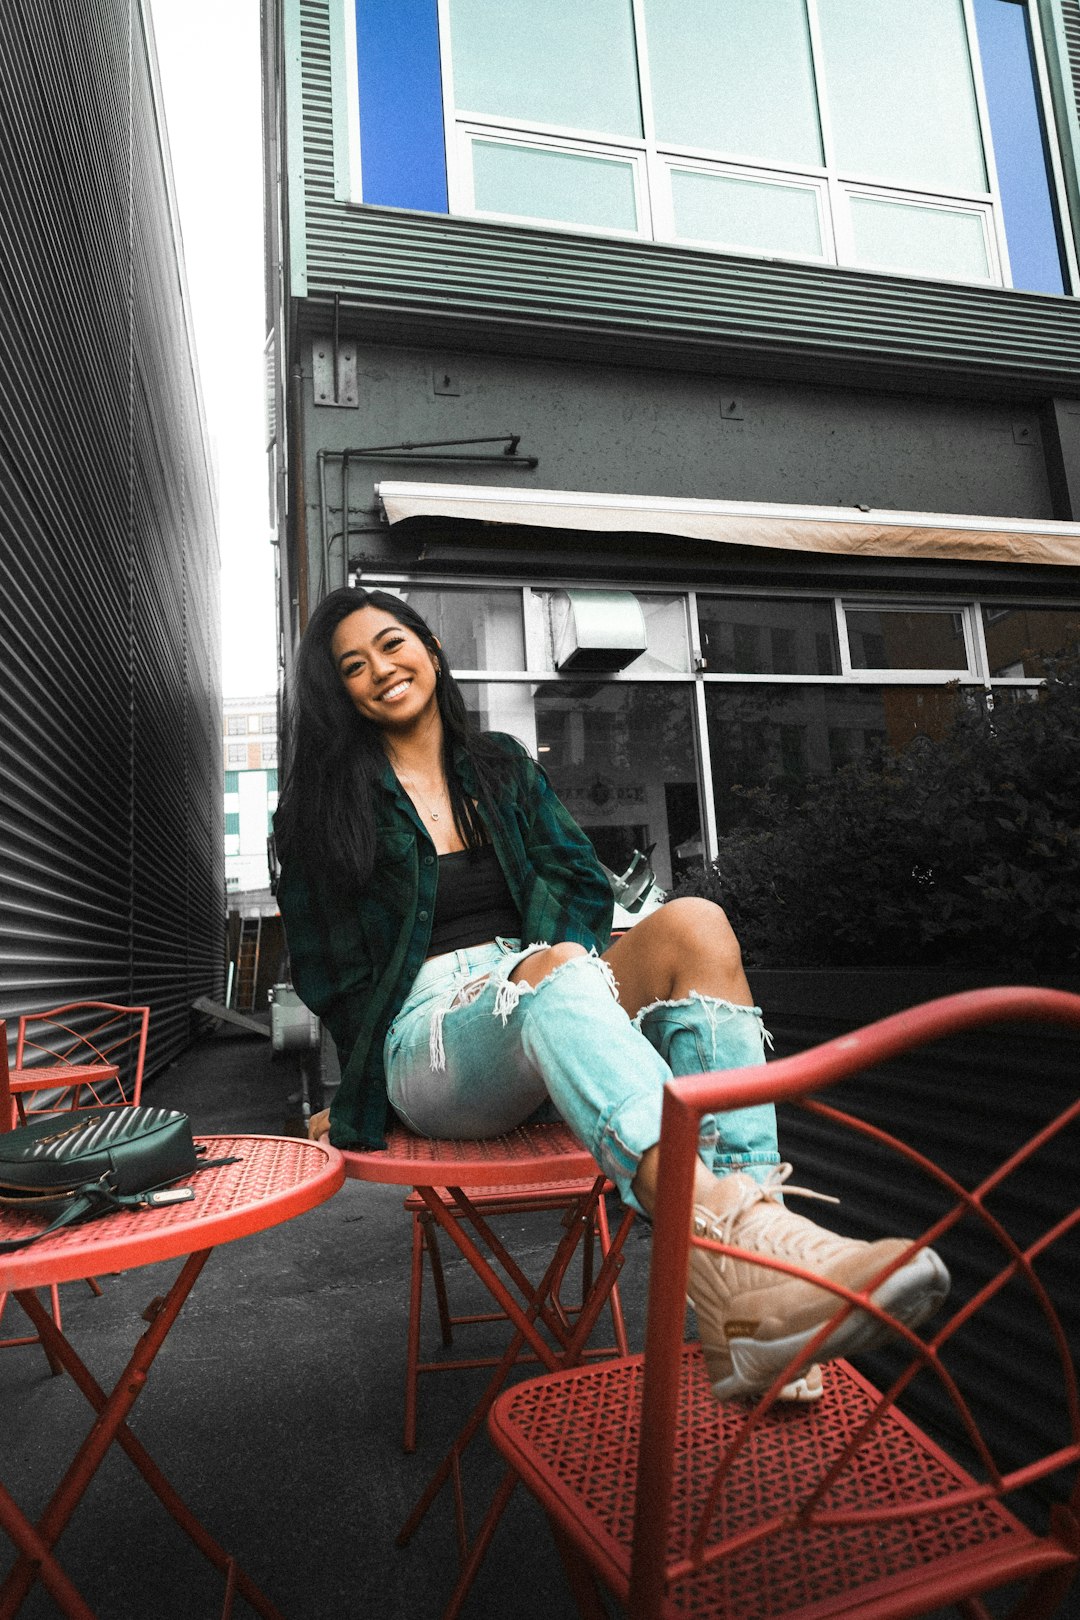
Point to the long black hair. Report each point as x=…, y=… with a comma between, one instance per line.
x=334, y=757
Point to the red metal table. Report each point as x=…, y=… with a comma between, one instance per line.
x=274, y=1179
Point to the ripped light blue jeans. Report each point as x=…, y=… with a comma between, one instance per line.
x=472, y=1054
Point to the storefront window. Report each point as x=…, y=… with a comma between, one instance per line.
x=767, y=636
x=788, y=688
x=779, y=736
x=620, y=756
x=1018, y=638
x=915, y=638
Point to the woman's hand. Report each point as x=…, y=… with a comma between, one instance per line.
x=318, y=1126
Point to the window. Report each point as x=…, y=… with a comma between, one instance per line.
x=235, y=725
x=267, y=722
x=479, y=629
x=768, y=636
x=896, y=638
x=1018, y=639
x=237, y=753
x=232, y=823
x=663, y=749
x=269, y=753
x=903, y=135
x=232, y=781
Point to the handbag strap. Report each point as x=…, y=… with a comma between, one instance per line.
x=97, y=1198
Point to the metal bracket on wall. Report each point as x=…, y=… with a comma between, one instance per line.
x=333, y=367
x=444, y=453
x=333, y=373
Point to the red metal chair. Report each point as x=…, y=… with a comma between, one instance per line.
x=7, y=1121
x=453, y=1180
x=562, y=1197
x=86, y=1054
x=682, y=1505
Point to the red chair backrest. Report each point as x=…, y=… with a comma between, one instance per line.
x=1014, y=1193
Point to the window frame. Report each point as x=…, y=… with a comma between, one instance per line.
x=460, y=175
x=651, y=163
x=974, y=679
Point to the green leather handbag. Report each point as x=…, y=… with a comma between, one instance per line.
x=73, y=1167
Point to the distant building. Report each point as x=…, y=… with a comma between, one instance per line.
x=250, y=745
x=111, y=862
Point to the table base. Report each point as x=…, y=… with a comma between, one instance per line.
x=35, y=1542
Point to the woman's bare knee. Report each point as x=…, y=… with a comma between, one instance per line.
x=688, y=944
x=537, y=966
x=703, y=925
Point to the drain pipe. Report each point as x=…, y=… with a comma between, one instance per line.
x=296, y=437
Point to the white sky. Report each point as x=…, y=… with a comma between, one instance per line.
x=208, y=55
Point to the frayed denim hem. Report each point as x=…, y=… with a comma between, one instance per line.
x=712, y=1006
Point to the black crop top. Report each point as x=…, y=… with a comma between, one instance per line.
x=472, y=902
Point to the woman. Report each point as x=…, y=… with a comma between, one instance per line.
x=449, y=922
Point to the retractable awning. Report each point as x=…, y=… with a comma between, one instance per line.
x=845, y=530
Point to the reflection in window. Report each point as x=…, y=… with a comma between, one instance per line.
x=1018, y=638
x=478, y=629
x=779, y=736
x=621, y=757
x=767, y=636
x=915, y=638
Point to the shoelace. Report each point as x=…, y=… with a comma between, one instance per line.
x=721, y=1227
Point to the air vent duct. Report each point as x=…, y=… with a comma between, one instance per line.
x=596, y=632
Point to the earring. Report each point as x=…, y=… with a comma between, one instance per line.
x=438, y=666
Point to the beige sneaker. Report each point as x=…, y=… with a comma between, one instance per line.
x=753, y=1320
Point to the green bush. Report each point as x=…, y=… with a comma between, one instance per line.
x=963, y=852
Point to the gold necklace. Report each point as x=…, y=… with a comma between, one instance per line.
x=411, y=788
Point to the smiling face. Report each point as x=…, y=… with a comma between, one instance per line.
x=385, y=668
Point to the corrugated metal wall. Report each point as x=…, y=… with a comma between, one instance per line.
x=407, y=277
x=111, y=850
x=967, y=1103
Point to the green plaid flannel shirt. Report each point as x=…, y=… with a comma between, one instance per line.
x=354, y=961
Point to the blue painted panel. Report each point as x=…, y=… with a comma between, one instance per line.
x=1031, y=225
x=402, y=143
